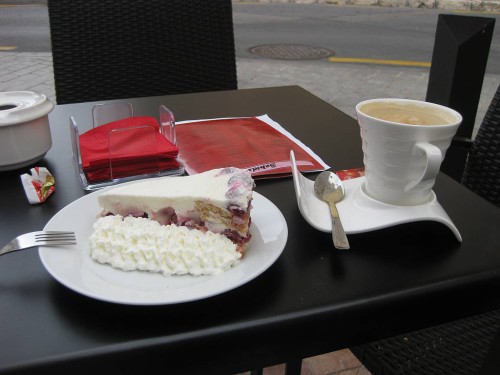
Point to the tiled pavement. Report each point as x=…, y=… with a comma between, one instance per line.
x=342, y=85
x=27, y=71
x=340, y=362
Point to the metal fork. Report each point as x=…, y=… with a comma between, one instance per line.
x=41, y=238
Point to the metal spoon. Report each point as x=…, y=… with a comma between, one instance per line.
x=329, y=188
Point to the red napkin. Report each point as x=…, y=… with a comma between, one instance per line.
x=127, y=147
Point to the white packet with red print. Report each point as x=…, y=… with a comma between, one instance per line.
x=39, y=185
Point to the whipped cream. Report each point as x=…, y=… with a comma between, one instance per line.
x=132, y=243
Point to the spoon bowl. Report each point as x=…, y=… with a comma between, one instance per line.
x=330, y=189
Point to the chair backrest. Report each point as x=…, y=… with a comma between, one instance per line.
x=461, y=48
x=482, y=170
x=109, y=49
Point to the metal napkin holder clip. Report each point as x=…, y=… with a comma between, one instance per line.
x=106, y=113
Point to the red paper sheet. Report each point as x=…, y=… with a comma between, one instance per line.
x=349, y=174
x=247, y=143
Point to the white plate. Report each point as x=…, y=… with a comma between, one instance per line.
x=359, y=212
x=73, y=267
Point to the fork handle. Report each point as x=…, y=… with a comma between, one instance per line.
x=340, y=240
x=9, y=248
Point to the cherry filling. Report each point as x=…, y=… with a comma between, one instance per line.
x=165, y=216
x=130, y=213
x=235, y=237
x=236, y=211
x=168, y=216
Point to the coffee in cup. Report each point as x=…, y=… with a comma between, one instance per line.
x=407, y=113
x=404, y=143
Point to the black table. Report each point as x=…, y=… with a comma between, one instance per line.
x=313, y=300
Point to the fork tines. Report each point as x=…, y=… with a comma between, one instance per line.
x=55, y=237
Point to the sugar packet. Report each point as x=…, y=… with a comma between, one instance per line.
x=38, y=185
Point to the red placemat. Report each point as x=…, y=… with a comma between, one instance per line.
x=258, y=144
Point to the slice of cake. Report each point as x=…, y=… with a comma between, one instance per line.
x=218, y=201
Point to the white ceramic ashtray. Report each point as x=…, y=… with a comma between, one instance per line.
x=361, y=213
x=24, y=128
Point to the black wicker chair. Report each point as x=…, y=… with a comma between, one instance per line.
x=108, y=49
x=459, y=347
x=456, y=348
x=482, y=170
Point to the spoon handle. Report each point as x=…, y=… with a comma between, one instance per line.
x=338, y=234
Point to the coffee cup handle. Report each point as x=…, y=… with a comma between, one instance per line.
x=434, y=159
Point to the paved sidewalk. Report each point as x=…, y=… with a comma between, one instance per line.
x=345, y=85
x=27, y=71
x=342, y=85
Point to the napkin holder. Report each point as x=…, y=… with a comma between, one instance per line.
x=105, y=113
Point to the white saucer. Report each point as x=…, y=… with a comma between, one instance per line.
x=359, y=212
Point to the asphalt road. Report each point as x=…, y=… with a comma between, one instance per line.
x=25, y=27
x=378, y=33
x=401, y=34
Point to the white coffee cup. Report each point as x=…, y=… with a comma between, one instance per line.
x=404, y=144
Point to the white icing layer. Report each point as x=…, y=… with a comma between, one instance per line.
x=141, y=244
x=220, y=187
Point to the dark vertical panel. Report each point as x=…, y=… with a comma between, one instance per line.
x=460, y=54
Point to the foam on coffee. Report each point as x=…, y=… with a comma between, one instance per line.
x=407, y=113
